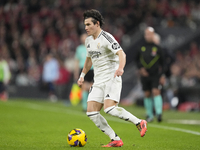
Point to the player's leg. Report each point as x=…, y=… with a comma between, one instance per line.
x=158, y=103
x=85, y=92
x=93, y=112
x=88, y=81
x=148, y=105
x=110, y=107
x=52, y=92
x=116, y=141
x=148, y=102
x=112, y=97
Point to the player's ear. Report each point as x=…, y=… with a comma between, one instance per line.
x=98, y=23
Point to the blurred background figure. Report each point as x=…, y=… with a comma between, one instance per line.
x=5, y=76
x=63, y=81
x=50, y=74
x=80, y=57
x=150, y=62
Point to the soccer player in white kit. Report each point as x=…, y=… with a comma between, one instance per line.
x=108, y=60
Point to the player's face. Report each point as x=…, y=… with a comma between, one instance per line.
x=148, y=35
x=90, y=27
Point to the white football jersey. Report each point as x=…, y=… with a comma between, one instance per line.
x=102, y=52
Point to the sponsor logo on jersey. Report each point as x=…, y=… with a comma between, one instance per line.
x=115, y=46
x=88, y=46
x=94, y=54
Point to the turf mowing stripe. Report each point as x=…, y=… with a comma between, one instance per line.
x=45, y=108
x=70, y=111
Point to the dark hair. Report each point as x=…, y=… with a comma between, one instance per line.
x=95, y=15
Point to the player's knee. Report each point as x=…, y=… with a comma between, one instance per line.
x=147, y=93
x=93, y=116
x=109, y=109
x=156, y=92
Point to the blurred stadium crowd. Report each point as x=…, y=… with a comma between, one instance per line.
x=29, y=30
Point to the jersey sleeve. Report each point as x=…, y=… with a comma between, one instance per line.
x=112, y=44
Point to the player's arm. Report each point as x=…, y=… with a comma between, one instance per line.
x=122, y=62
x=86, y=68
x=87, y=65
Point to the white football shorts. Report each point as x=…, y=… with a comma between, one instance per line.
x=107, y=90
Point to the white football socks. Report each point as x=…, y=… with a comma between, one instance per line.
x=122, y=114
x=102, y=124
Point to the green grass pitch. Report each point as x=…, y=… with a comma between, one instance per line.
x=41, y=125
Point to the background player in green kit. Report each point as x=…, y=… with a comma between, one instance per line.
x=5, y=76
x=80, y=57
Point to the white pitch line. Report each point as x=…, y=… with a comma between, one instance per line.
x=179, y=121
x=157, y=126
x=70, y=111
x=175, y=129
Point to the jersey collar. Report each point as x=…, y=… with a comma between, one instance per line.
x=100, y=34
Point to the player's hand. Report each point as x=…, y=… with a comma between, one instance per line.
x=143, y=72
x=80, y=81
x=119, y=72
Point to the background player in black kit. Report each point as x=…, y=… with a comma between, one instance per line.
x=150, y=62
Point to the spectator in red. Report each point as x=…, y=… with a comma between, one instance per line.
x=62, y=81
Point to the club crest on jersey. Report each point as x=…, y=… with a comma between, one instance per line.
x=154, y=51
x=115, y=46
x=98, y=45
